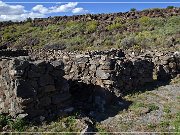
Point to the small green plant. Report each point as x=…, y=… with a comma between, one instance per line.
x=15, y=125
x=70, y=122
x=108, y=42
x=137, y=105
x=164, y=124
x=128, y=42
x=132, y=9
x=29, y=19
x=144, y=20
x=170, y=7
x=152, y=107
x=151, y=126
x=176, y=123
x=3, y=120
x=167, y=109
x=114, y=26
x=137, y=49
x=101, y=129
x=18, y=125
x=91, y=26
x=118, y=20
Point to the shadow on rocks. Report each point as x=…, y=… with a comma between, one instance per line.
x=91, y=104
x=96, y=102
x=148, y=86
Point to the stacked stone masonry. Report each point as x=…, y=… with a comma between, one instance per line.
x=44, y=84
x=33, y=88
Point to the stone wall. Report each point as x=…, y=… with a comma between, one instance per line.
x=32, y=88
x=103, y=75
x=166, y=64
x=50, y=82
x=114, y=76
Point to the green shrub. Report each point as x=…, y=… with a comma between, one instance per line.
x=108, y=42
x=173, y=21
x=91, y=26
x=167, y=109
x=170, y=7
x=132, y=9
x=3, y=120
x=29, y=19
x=114, y=26
x=118, y=20
x=144, y=20
x=128, y=42
x=157, y=22
x=144, y=39
x=172, y=26
x=74, y=26
x=71, y=24
x=7, y=36
x=18, y=125
x=148, y=32
x=137, y=48
x=153, y=107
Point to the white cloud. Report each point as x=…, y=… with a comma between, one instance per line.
x=18, y=12
x=41, y=9
x=55, y=9
x=20, y=17
x=64, y=8
x=79, y=10
x=11, y=9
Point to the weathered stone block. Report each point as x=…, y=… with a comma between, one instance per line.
x=102, y=74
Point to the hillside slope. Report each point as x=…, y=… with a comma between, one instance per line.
x=153, y=28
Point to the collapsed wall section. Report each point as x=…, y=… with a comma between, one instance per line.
x=167, y=65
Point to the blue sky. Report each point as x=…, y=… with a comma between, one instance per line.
x=19, y=10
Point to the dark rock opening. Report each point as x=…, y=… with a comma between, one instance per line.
x=89, y=96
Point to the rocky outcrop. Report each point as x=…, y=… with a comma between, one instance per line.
x=102, y=18
x=108, y=18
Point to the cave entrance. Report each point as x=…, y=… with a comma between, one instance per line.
x=82, y=94
x=88, y=97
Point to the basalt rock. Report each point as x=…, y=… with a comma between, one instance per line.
x=41, y=86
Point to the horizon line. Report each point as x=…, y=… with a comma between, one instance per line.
x=101, y=2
